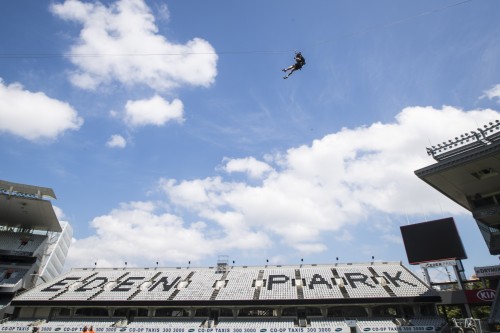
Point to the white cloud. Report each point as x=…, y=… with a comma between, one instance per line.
x=59, y=213
x=142, y=225
x=154, y=111
x=492, y=93
x=338, y=180
x=344, y=236
x=131, y=49
x=163, y=12
x=249, y=165
x=157, y=235
x=306, y=248
x=116, y=141
x=393, y=238
x=316, y=195
x=34, y=115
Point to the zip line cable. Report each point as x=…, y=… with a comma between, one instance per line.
x=101, y=55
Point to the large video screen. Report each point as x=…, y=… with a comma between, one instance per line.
x=432, y=241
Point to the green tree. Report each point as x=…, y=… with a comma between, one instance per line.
x=481, y=312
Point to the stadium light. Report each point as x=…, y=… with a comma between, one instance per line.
x=482, y=136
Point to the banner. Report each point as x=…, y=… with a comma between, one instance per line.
x=487, y=271
x=377, y=329
x=161, y=329
x=480, y=296
x=441, y=263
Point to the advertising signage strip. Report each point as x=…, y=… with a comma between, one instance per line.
x=480, y=296
x=162, y=329
x=442, y=263
x=487, y=271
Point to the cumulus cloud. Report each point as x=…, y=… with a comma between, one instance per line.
x=163, y=12
x=493, y=93
x=59, y=213
x=34, y=115
x=124, y=44
x=339, y=180
x=116, y=141
x=157, y=233
x=249, y=165
x=154, y=111
x=305, y=198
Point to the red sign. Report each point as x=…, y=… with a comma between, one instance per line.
x=480, y=296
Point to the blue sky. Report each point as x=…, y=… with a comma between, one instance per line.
x=168, y=133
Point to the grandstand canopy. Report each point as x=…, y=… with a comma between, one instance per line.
x=466, y=175
x=30, y=213
x=27, y=189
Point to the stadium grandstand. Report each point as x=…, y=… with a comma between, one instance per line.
x=467, y=171
x=349, y=297
x=33, y=244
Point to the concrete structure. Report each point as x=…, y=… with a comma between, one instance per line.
x=33, y=244
x=467, y=170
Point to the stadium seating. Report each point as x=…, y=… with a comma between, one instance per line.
x=155, y=290
x=359, y=282
x=10, y=276
x=258, y=322
x=238, y=281
x=166, y=323
x=20, y=242
x=352, y=281
x=404, y=284
x=200, y=285
x=49, y=290
x=319, y=290
x=124, y=288
x=285, y=294
x=278, y=287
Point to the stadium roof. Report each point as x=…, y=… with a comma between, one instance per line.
x=27, y=189
x=22, y=206
x=464, y=175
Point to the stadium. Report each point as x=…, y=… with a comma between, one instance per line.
x=314, y=298
x=308, y=298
